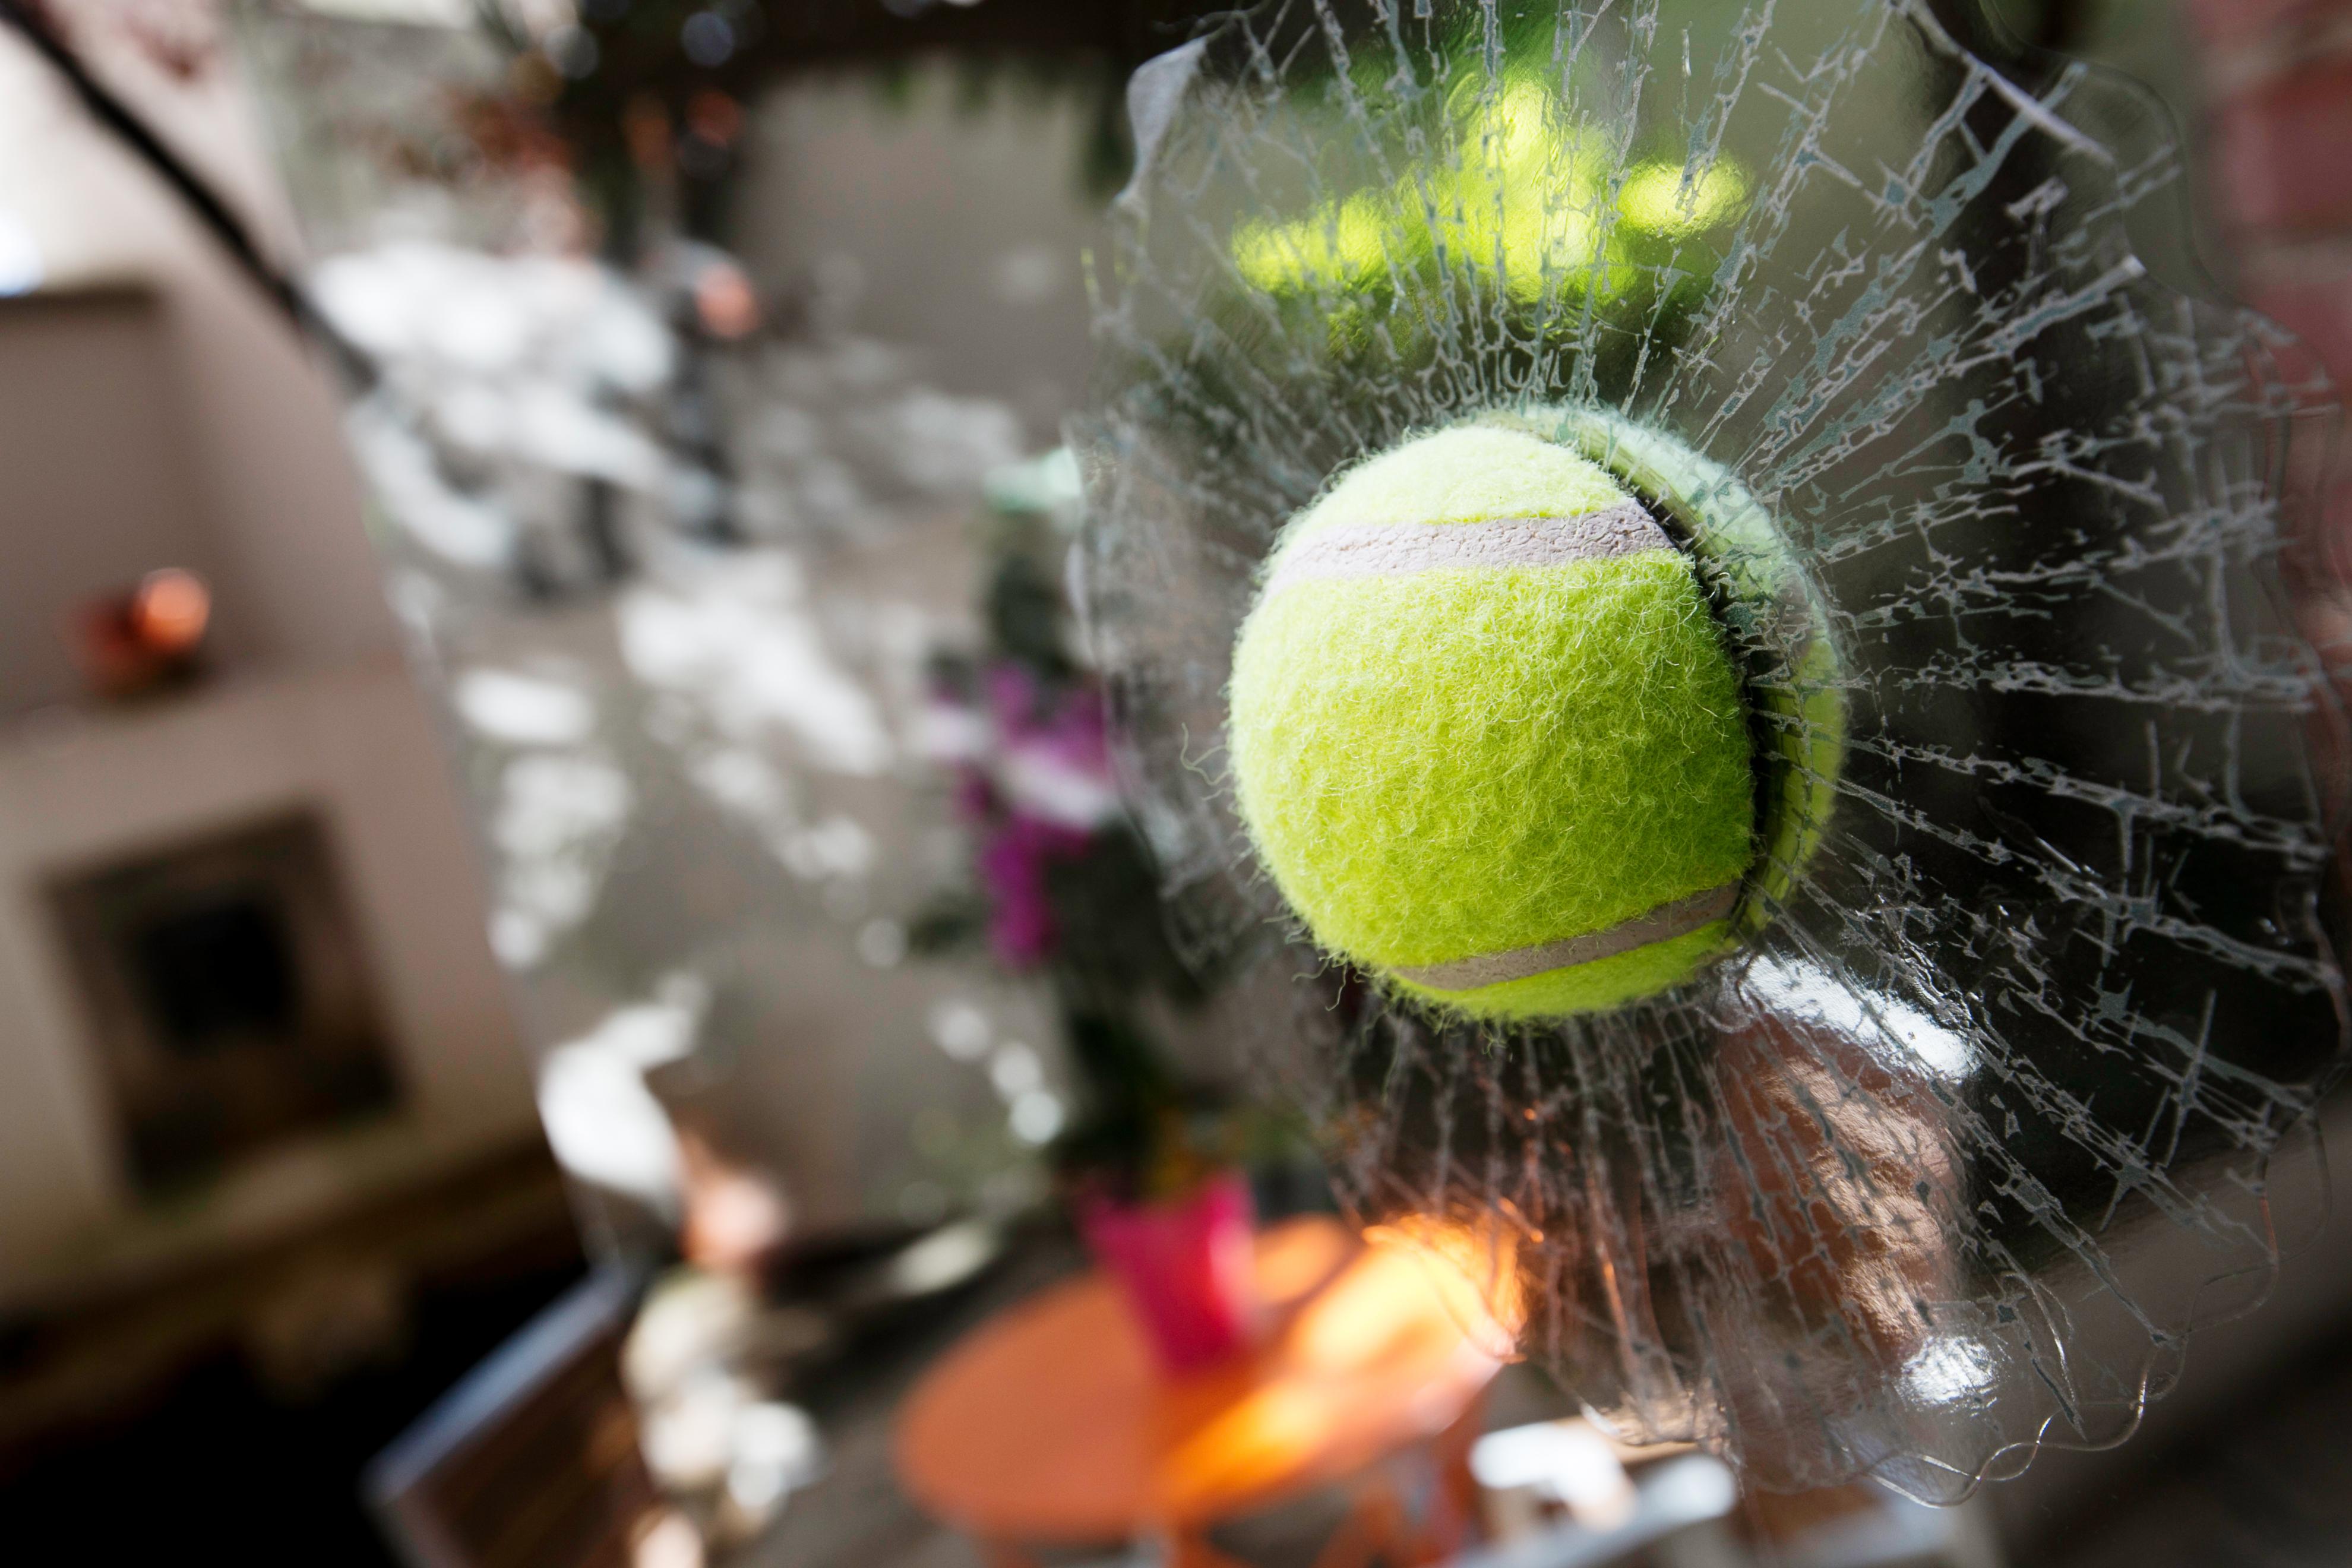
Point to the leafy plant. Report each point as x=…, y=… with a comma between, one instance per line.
x=1062, y=886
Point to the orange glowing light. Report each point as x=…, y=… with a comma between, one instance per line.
x=1474, y=1267
x=1294, y=1264
x=1380, y=1311
x=1053, y=1425
x=1262, y=1438
x=170, y=610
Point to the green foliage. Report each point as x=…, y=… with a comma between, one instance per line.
x=1140, y=1130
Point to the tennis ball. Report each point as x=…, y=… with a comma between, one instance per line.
x=1485, y=733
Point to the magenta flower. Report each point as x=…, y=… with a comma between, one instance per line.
x=1012, y=865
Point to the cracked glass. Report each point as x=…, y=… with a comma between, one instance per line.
x=2006, y=1088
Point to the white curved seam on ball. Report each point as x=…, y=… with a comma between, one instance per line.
x=1384, y=550
x=1678, y=918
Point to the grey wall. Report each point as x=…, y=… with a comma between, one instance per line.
x=954, y=228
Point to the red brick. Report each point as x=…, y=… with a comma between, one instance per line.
x=2228, y=24
x=2284, y=151
x=2320, y=313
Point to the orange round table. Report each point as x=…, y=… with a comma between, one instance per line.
x=1049, y=1424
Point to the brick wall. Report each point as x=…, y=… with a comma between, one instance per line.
x=2277, y=77
x=2277, y=84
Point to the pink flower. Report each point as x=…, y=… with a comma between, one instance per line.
x=1064, y=726
x=975, y=796
x=1013, y=866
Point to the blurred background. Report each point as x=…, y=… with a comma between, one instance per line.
x=542, y=997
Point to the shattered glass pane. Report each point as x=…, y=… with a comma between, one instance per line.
x=2035, y=983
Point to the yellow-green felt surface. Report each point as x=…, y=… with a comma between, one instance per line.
x=1445, y=764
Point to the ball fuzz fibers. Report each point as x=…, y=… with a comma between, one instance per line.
x=1485, y=733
